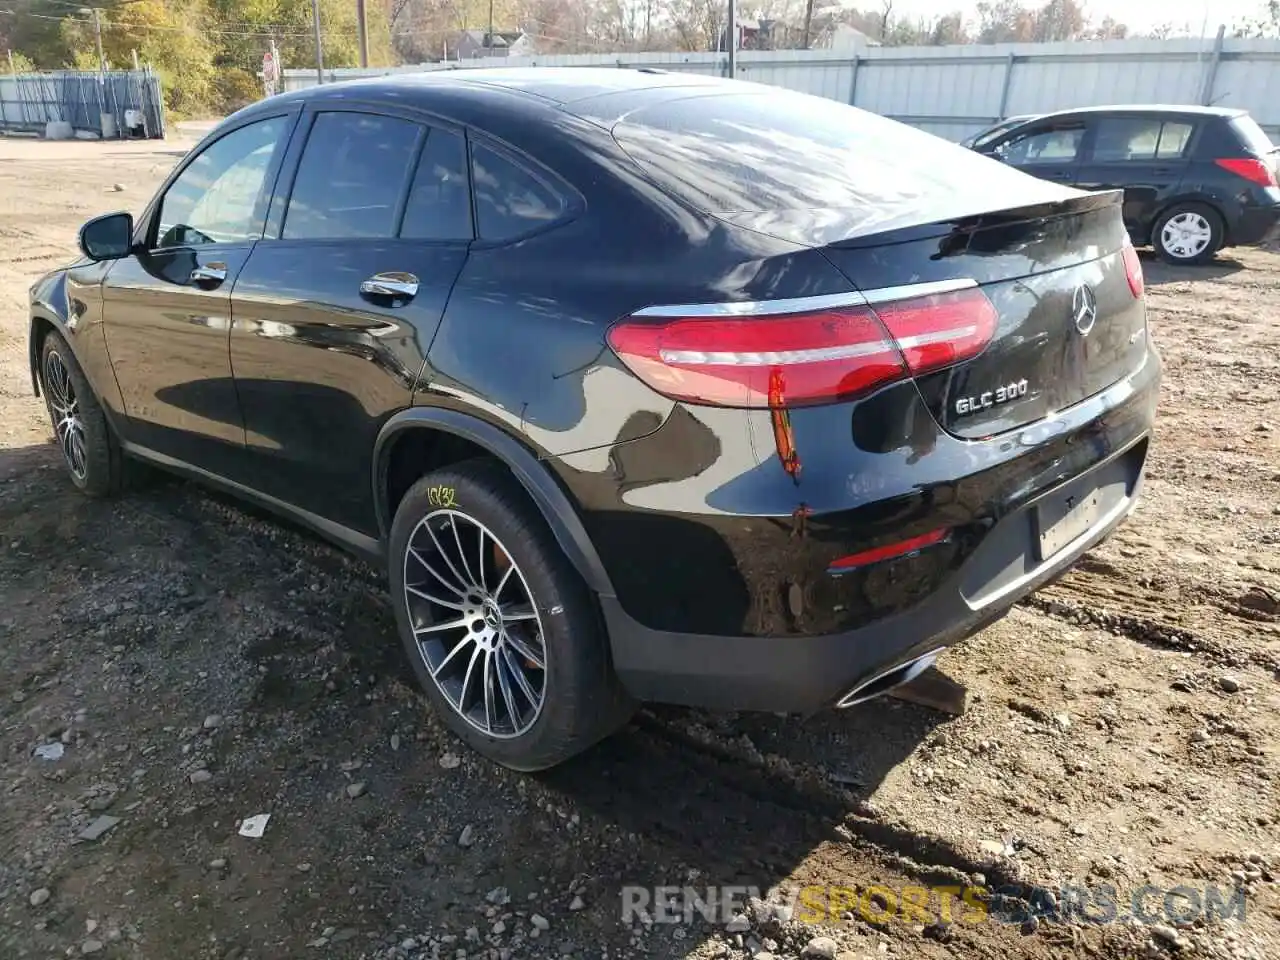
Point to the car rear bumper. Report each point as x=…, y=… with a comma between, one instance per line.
x=1255, y=225
x=803, y=674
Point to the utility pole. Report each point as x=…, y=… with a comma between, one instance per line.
x=97, y=36
x=315, y=16
x=733, y=38
x=362, y=31
x=489, y=39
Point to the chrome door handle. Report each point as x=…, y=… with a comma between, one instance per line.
x=209, y=272
x=400, y=285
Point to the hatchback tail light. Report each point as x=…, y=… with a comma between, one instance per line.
x=793, y=359
x=1133, y=270
x=1252, y=169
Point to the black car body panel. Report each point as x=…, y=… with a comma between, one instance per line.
x=1181, y=167
x=716, y=537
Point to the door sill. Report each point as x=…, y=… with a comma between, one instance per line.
x=353, y=541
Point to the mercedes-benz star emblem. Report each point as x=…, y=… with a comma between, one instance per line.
x=1084, y=309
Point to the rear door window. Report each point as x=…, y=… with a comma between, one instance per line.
x=439, y=206
x=1126, y=138
x=353, y=172
x=1174, y=137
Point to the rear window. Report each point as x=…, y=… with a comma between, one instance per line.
x=777, y=151
x=1253, y=137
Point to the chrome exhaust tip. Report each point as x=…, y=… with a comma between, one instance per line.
x=890, y=679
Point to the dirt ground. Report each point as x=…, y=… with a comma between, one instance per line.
x=199, y=663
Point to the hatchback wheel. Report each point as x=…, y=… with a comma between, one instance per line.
x=502, y=632
x=1188, y=233
x=89, y=448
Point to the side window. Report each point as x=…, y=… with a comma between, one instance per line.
x=353, y=172
x=1054, y=145
x=439, y=206
x=509, y=199
x=1126, y=138
x=1173, y=140
x=220, y=197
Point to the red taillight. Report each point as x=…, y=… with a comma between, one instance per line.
x=888, y=552
x=1133, y=270
x=1252, y=169
x=935, y=332
x=803, y=358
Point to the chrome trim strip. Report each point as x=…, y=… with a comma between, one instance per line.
x=907, y=291
x=756, y=308
x=830, y=301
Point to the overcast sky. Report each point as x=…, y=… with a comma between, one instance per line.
x=1139, y=14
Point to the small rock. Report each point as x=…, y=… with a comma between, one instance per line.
x=98, y=827
x=1062, y=720
x=499, y=928
x=1166, y=935
x=1030, y=926
x=395, y=741
x=1079, y=829
x=1200, y=736
x=40, y=897
x=91, y=946
x=356, y=789
x=304, y=868
x=498, y=896
x=1229, y=684
x=450, y=761
x=212, y=721
x=218, y=864
x=201, y=776
x=467, y=837
x=90, y=926
x=738, y=924
x=820, y=948
x=940, y=931
x=577, y=903
x=540, y=922
x=117, y=187
x=996, y=848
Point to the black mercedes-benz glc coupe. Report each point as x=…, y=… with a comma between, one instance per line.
x=639, y=386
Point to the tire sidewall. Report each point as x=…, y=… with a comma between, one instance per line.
x=565, y=613
x=1205, y=255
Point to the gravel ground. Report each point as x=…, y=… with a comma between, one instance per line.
x=191, y=663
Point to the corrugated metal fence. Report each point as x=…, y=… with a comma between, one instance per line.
x=31, y=101
x=956, y=90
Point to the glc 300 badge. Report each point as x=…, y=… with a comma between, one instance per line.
x=991, y=398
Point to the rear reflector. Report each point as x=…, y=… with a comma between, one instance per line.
x=807, y=357
x=1133, y=270
x=889, y=552
x=1253, y=170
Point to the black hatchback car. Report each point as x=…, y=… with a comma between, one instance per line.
x=1195, y=179
x=639, y=386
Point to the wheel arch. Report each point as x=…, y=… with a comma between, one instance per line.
x=538, y=482
x=39, y=328
x=1191, y=200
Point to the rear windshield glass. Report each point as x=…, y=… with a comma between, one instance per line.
x=1251, y=135
x=777, y=151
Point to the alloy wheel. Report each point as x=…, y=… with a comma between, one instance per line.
x=65, y=410
x=475, y=623
x=1186, y=235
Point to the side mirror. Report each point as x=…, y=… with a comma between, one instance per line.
x=108, y=238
